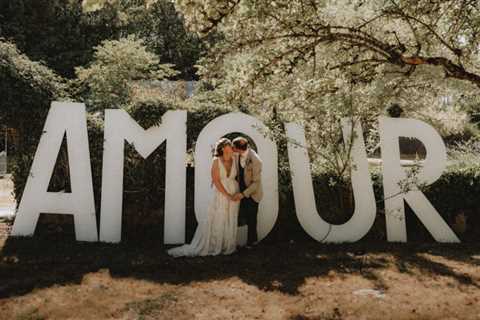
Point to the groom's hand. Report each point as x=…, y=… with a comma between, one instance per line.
x=238, y=197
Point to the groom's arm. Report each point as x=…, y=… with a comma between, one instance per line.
x=256, y=179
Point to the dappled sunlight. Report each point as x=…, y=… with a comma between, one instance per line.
x=291, y=280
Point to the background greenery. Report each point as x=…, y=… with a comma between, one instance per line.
x=277, y=60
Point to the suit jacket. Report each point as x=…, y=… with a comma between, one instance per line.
x=253, y=176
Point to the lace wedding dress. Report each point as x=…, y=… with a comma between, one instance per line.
x=217, y=233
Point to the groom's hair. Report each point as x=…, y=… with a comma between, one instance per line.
x=240, y=143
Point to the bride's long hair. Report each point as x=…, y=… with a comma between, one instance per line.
x=222, y=143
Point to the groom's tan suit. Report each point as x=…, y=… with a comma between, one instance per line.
x=253, y=176
x=250, y=182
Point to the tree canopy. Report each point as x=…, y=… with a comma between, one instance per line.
x=27, y=89
x=315, y=61
x=57, y=32
x=401, y=33
x=117, y=65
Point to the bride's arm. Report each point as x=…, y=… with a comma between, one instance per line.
x=216, y=179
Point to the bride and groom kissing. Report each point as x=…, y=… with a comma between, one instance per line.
x=237, y=190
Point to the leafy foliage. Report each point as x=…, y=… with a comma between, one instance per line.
x=164, y=33
x=118, y=64
x=401, y=33
x=315, y=62
x=57, y=32
x=27, y=88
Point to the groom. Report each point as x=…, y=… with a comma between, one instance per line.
x=250, y=180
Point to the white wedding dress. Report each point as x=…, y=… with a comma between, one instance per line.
x=217, y=233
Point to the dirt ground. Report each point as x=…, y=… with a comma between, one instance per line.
x=52, y=279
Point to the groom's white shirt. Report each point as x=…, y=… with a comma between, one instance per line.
x=243, y=159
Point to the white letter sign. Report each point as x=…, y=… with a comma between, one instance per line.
x=68, y=120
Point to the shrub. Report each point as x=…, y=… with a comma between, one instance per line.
x=454, y=195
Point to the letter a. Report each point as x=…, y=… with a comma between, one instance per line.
x=70, y=119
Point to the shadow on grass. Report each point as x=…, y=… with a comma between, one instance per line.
x=29, y=263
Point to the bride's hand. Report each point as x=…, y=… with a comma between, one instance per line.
x=235, y=197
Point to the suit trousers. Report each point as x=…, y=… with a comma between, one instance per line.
x=248, y=215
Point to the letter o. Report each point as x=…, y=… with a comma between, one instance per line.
x=267, y=150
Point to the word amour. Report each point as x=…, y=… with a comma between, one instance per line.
x=65, y=118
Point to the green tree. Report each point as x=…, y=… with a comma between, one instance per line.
x=57, y=32
x=164, y=32
x=163, y=29
x=117, y=67
x=401, y=33
x=317, y=61
x=27, y=89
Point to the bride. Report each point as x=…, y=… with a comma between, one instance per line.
x=217, y=233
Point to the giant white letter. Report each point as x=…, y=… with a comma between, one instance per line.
x=365, y=207
x=267, y=150
x=393, y=174
x=119, y=126
x=70, y=119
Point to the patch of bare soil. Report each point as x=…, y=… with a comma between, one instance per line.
x=52, y=279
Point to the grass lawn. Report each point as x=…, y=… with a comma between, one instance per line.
x=51, y=279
